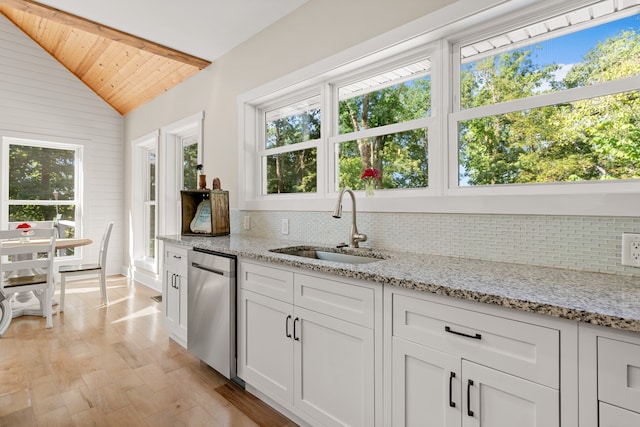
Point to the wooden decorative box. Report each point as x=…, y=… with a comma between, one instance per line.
x=205, y=212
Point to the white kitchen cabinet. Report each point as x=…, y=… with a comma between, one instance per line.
x=309, y=344
x=174, y=292
x=492, y=398
x=265, y=327
x=420, y=374
x=609, y=377
x=451, y=366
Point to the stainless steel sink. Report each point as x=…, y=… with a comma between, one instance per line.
x=330, y=254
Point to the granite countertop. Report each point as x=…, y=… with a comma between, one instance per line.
x=597, y=298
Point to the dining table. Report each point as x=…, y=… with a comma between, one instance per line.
x=26, y=303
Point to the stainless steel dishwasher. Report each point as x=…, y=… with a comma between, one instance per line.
x=211, y=316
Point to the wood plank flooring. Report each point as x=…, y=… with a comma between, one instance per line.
x=114, y=365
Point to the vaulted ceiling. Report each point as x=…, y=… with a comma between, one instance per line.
x=124, y=70
x=130, y=51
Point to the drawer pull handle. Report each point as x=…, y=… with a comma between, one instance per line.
x=451, y=377
x=469, y=411
x=287, y=326
x=462, y=334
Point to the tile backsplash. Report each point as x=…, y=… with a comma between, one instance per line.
x=575, y=242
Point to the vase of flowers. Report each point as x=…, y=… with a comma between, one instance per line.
x=369, y=176
x=26, y=231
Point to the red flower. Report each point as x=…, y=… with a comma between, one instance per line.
x=369, y=173
x=23, y=225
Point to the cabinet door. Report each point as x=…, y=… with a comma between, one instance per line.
x=265, y=344
x=182, y=289
x=619, y=373
x=425, y=386
x=334, y=365
x=612, y=416
x=170, y=300
x=494, y=399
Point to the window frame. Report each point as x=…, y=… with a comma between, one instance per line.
x=548, y=99
x=334, y=138
x=140, y=204
x=263, y=152
x=451, y=26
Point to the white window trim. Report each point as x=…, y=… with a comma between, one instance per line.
x=447, y=26
x=140, y=148
x=169, y=178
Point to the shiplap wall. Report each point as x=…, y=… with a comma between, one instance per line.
x=40, y=99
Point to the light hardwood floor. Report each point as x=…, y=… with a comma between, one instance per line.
x=114, y=366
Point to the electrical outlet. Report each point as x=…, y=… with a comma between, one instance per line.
x=247, y=223
x=631, y=249
x=285, y=226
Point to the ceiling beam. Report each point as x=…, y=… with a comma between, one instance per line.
x=47, y=12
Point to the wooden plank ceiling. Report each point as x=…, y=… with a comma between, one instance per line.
x=124, y=70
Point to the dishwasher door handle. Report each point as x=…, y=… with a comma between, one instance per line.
x=209, y=269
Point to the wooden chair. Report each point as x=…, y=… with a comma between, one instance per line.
x=89, y=269
x=27, y=266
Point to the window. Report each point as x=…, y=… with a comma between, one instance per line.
x=144, y=205
x=42, y=185
x=190, y=157
x=380, y=120
x=552, y=101
x=179, y=155
x=289, y=156
x=533, y=104
x=150, y=215
x=383, y=123
x=164, y=162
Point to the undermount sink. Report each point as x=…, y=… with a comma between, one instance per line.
x=329, y=254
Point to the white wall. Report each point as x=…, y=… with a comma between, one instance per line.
x=40, y=99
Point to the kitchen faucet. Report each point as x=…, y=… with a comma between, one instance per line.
x=354, y=236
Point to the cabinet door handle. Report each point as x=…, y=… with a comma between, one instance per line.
x=469, y=411
x=173, y=281
x=462, y=334
x=295, y=336
x=287, y=326
x=452, y=375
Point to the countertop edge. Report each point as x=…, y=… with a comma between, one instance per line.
x=254, y=248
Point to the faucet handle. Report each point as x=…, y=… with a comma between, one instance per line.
x=358, y=237
x=341, y=245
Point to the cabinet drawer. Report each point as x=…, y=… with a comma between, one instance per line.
x=612, y=416
x=619, y=373
x=522, y=349
x=345, y=301
x=268, y=281
x=176, y=257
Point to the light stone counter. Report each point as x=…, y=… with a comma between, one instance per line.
x=601, y=299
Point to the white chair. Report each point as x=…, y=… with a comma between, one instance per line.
x=27, y=265
x=99, y=269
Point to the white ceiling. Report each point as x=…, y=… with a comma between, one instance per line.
x=203, y=28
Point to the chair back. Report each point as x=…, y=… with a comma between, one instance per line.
x=102, y=257
x=19, y=257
